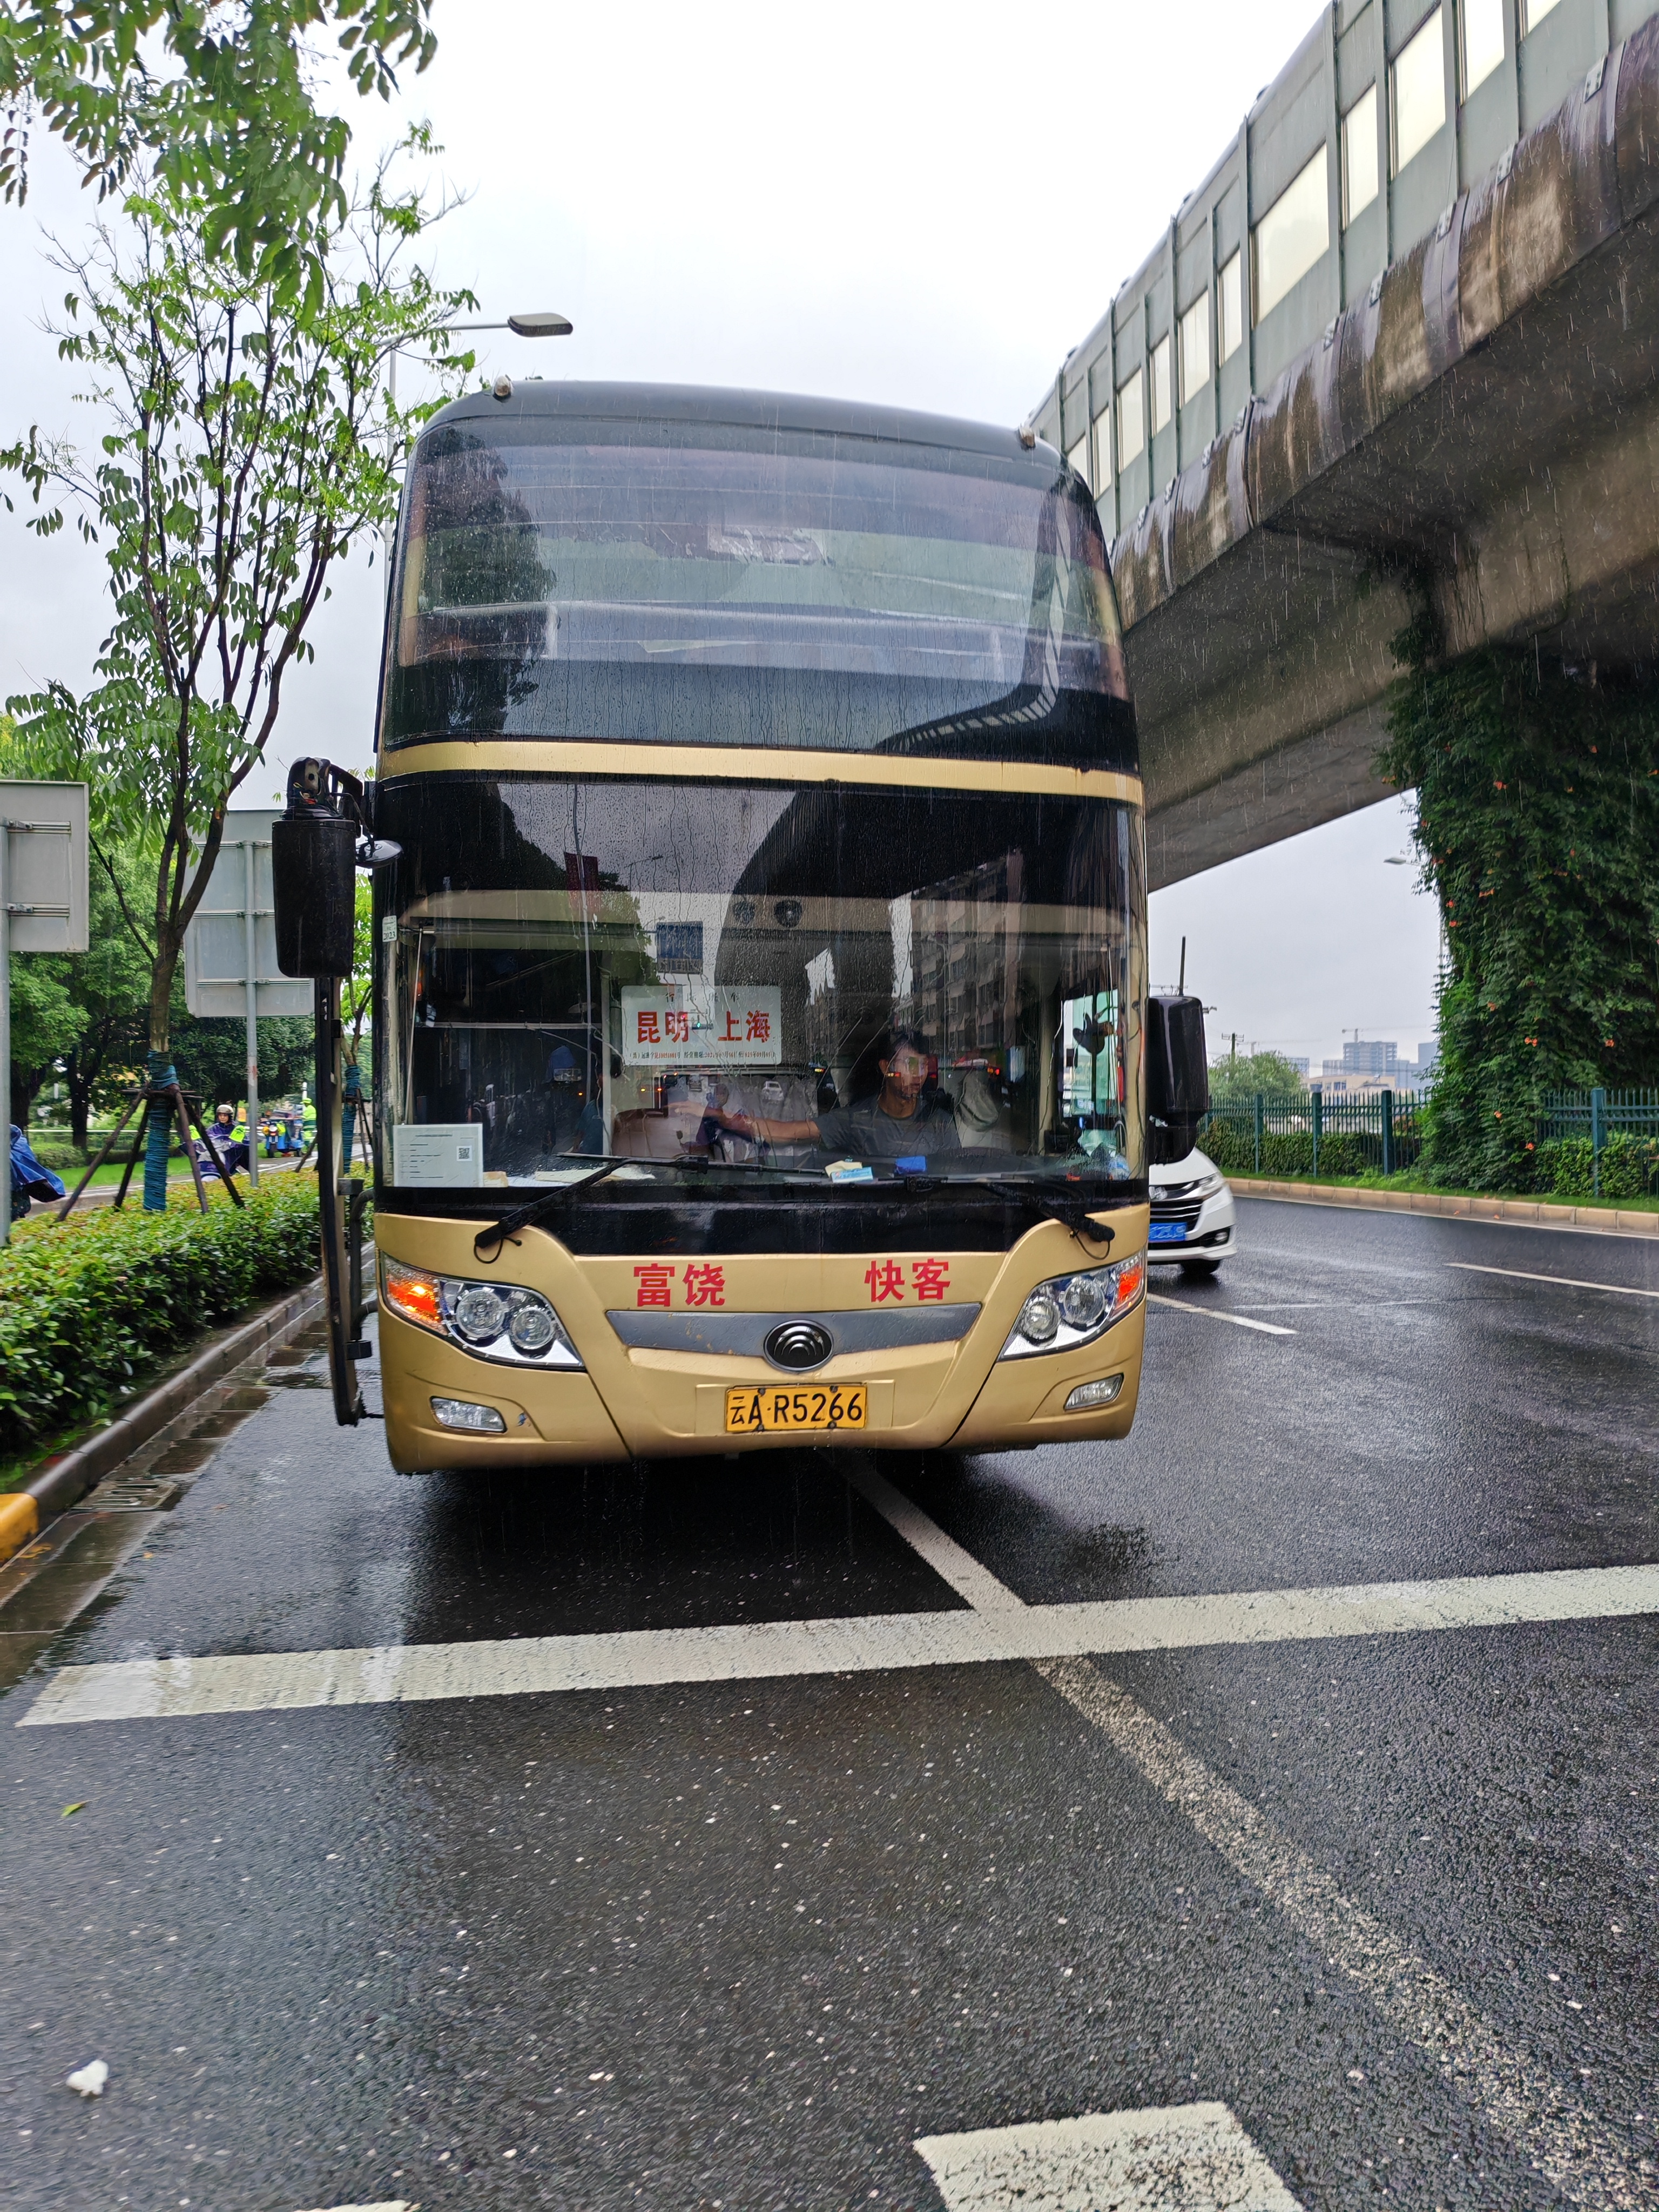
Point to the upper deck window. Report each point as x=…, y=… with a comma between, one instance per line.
x=691, y=584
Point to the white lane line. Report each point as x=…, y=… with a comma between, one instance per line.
x=390, y=2204
x=526, y=1666
x=1215, y=1313
x=947, y=1559
x=1561, y=1282
x=1540, y=2116
x=1183, y=2158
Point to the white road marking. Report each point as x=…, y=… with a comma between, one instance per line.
x=1183, y=2158
x=1540, y=2116
x=391, y=2204
x=1561, y=1282
x=1545, y=2121
x=1215, y=1313
x=529, y=1665
x=949, y=1561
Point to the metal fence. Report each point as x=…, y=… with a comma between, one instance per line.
x=1598, y=1116
x=1598, y=1113
x=1296, y=1133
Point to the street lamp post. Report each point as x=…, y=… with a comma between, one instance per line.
x=545, y=323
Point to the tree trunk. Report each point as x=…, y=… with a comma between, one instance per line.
x=159, y=1133
x=79, y=1098
x=162, y=971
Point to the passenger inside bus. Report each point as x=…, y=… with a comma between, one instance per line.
x=904, y=1119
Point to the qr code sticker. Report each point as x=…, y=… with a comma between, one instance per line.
x=463, y=1151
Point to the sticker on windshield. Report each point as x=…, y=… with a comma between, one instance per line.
x=692, y=1024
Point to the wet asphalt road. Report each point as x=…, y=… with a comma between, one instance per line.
x=740, y=1946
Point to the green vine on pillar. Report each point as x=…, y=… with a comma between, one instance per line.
x=1538, y=822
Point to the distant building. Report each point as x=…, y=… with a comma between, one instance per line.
x=1369, y=1065
x=1362, y=1086
x=1291, y=1060
x=1366, y=1057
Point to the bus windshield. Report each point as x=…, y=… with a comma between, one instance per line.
x=776, y=982
x=662, y=582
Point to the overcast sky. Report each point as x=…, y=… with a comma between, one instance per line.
x=912, y=203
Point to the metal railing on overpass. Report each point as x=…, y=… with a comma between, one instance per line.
x=1384, y=116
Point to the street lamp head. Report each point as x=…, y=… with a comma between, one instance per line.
x=548, y=325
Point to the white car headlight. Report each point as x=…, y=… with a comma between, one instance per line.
x=503, y=1321
x=1073, y=1309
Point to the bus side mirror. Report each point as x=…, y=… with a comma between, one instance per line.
x=1177, y=1076
x=314, y=876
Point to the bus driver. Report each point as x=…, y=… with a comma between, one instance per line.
x=896, y=1123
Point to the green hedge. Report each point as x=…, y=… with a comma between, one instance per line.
x=1560, y=1167
x=1630, y=1166
x=1231, y=1145
x=67, y=1159
x=87, y=1306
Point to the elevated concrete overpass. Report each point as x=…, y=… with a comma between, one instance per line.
x=1481, y=422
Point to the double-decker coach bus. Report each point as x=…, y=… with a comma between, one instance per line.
x=760, y=937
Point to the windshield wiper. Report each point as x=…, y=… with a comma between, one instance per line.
x=506, y=1231
x=1072, y=1209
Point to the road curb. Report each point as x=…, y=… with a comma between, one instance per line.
x=60, y=1482
x=1607, y=1220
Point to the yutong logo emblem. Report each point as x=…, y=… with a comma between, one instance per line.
x=799, y=1344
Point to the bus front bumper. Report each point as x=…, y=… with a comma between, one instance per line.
x=634, y=1402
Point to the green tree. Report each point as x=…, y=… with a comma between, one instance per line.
x=210, y=1054
x=1538, y=821
x=216, y=101
x=1242, y=1074
x=248, y=445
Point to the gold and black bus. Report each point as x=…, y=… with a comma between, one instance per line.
x=761, y=1016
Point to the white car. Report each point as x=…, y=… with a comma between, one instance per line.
x=1192, y=1219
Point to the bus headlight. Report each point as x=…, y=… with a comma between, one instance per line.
x=502, y=1322
x=1074, y=1309
x=479, y=1314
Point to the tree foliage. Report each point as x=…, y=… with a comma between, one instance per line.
x=1242, y=1074
x=247, y=446
x=210, y=1054
x=214, y=98
x=1538, y=821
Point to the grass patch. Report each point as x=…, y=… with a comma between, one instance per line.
x=1409, y=1180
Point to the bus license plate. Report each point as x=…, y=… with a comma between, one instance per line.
x=750, y=1411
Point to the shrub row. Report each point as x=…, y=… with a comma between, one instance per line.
x=87, y=1306
x=1630, y=1166
x=1561, y=1167
x=65, y=1158
x=1231, y=1145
